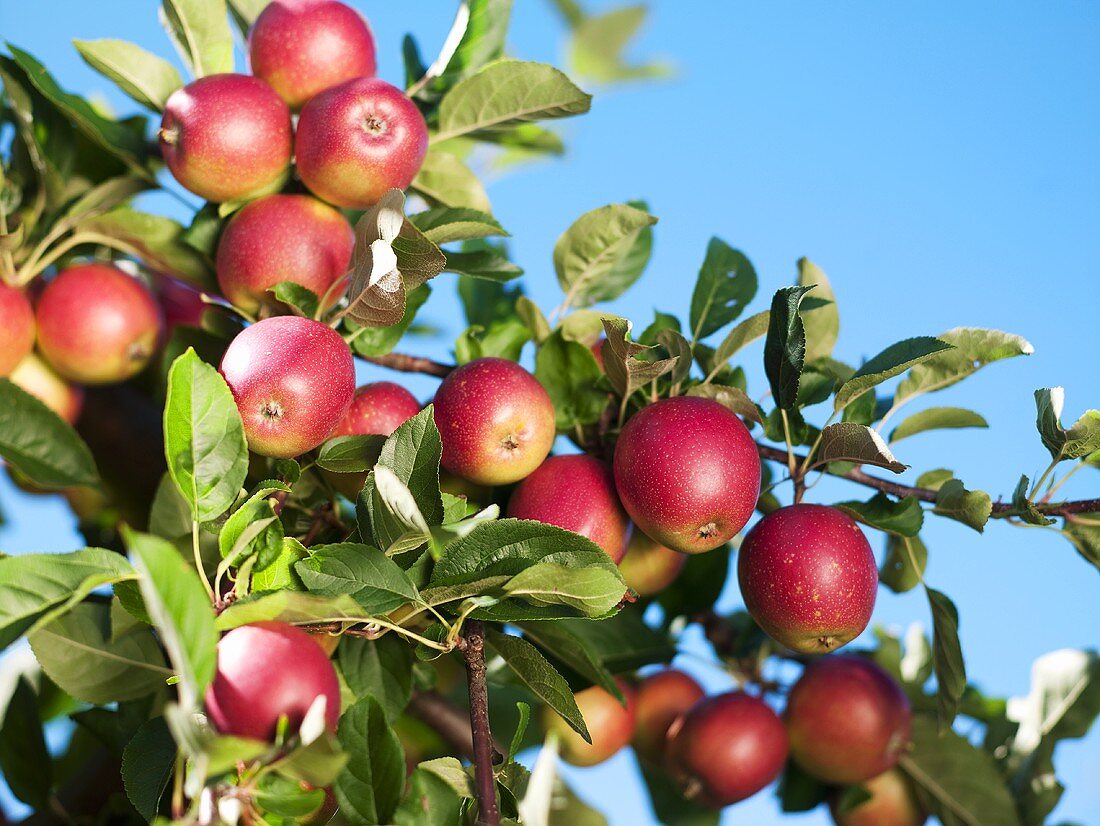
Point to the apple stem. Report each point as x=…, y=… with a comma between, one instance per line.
x=474, y=649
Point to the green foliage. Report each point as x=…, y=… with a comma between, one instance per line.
x=603, y=253
x=146, y=78
x=369, y=787
x=726, y=284
x=42, y=446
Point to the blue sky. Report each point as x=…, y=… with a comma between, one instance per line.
x=938, y=160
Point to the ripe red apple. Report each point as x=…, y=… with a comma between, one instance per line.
x=282, y=238
x=496, y=420
x=181, y=304
x=227, y=137
x=726, y=748
x=649, y=567
x=36, y=377
x=293, y=380
x=302, y=47
x=808, y=577
x=609, y=723
x=267, y=670
x=16, y=328
x=659, y=700
x=97, y=325
x=848, y=719
x=893, y=803
x=378, y=408
x=358, y=140
x=688, y=473
x=575, y=492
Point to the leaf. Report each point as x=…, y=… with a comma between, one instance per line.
x=1080, y=440
x=370, y=786
x=143, y=76
x=535, y=672
x=588, y=255
x=377, y=341
x=972, y=508
x=597, y=44
x=574, y=652
x=444, y=225
x=850, y=442
x=254, y=528
x=974, y=348
x=287, y=606
x=476, y=38
x=430, y=799
x=903, y=567
x=147, y=764
x=350, y=454
x=947, y=656
x=894, y=360
x=245, y=12
x=936, y=418
x=1025, y=507
x=381, y=668
x=203, y=437
x=619, y=644
x=785, y=346
x=823, y=324
x=726, y=284
x=903, y=517
x=506, y=93
x=533, y=317
x=592, y=591
x=413, y=452
x=44, y=448
x=445, y=181
x=302, y=300
x=489, y=264
x=1083, y=437
x=743, y=334
x=569, y=372
x=678, y=348
x=624, y=370
x=200, y=30
x=733, y=398
x=24, y=758
x=156, y=240
x=1085, y=538
x=366, y=574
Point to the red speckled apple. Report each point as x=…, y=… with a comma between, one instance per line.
x=575, y=492
x=496, y=421
x=893, y=803
x=97, y=325
x=282, y=238
x=267, y=670
x=302, y=47
x=659, y=700
x=688, y=473
x=609, y=723
x=36, y=377
x=293, y=380
x=358, y=140
x=378, y=408
x=808, y=577
x=16, y=328
x=181, y=303
x=726, y=748
x=848, y=719
x=649, y=567
x=227, y=137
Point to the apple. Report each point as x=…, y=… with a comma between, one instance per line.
x=496, y=421
x=609, y=722
x=16, y=328
x=293, y=380
x=282, y=238
x=97, y=325
x=659, y=700
x=848, y=719
x=35, y=376
x=575, y=492
x=358, y=140
x=808, y=577
x=688, y=473
x=893, y=803
x=378, y=408
x=649, y=567
x=267, y=670
x=227, y=137
x=181, y=303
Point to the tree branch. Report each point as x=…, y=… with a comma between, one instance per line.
x=488, y=812
x=448, y=720
x=405, y=363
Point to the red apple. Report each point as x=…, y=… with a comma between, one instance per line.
x=227, y=137
x=35, y=376
x=181, y=303
x=848, y=719
x=575, y=492
x=609, y=723
x=358, y=140
x=16, y=328
x=282, y=238
x=293, y=380
x=378, y=408
x=688, y=473
x=808, y=577
x=649, y=567
x=893, y=803
x=97, y=325
x=496, y=421
x=302, y=47
x=265, y=671
x=659, y=700
x=726, y=748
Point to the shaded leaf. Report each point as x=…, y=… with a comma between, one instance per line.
x=726, y=284
x=785, y=346
x=147, y=764
x=200, y=30
x=445, y=181
x=588, y=256
x=370, y=786
x=971, y=507
x=903, y=567
x=143, y=76
x=893, y=361
x=823, y=324
x=569, y=372
x=947, y=657
x=974, y=348
x=936, y=418
x=37, y=442
x=850, y=442
x=903, y=517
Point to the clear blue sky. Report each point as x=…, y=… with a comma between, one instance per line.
x=937, y=159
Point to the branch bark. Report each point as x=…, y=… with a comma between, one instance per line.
x=488, y=811
x=446, y=719
x=405, y=363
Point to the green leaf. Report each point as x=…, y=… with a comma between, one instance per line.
x=699, y=584
x=445, y=225
x=1085, y=538
x=203, y=437
x=589, y=256
x=1025, y=507
x=597, y=44
x=823, y=324
x=974, y=348
x=147, y=764
x=156, y=240
x=798, y=791
x=480, y=41
x=143, y=76
x=971, y=507
x=488, y=264
x=44, y=448
x=370, y=786
x=903, y=517
x=726, y=284
x=413, y=452
x=381, y=668
x=285, y=797
x=377, y=341
x=936, y=418
x=743, y=334
x=678, y=348
x=947, y=656
x=624, y=369
x=850, y=442
x=903, y=567
x=24, y=758
x=572, y=651
x=785, y=346
x=254, y=529
x=506, y=93
x=302, y=300
x=733, y=398
x=569, y=372
x=200, y=30
x=319, y=763
x=245, y=12
x=620, y=644
x=445, y=181
x=591, y=591
x=1080, y=440
x=893, y=361
x=430, y=799
x=350, y=454
x=1083, y=437
x=280, y=574
x=364, y=573
x=287, y=606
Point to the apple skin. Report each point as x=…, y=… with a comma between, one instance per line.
x=659, y=700
x=181, y=303
x=293, y=380
x=848, y=720
x=892, y=803
x=97, y=325
x=808, y=577
x=688, y=473
x=35, y=376
x=227, y=137
x=302, y=47
x=649, y=567
x=726, y=748
x=609, y=723
x=358, y=140
x=282, y=238
x=266, y=670
x=16, y=328
x=496, y=421
x=575, y=492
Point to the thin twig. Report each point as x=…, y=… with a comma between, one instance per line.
x=410, y=364
x=451, y=722
x=488, y=812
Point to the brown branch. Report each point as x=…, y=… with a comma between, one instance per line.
x=488, y=812
x=405, y=363
x=448, y=720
